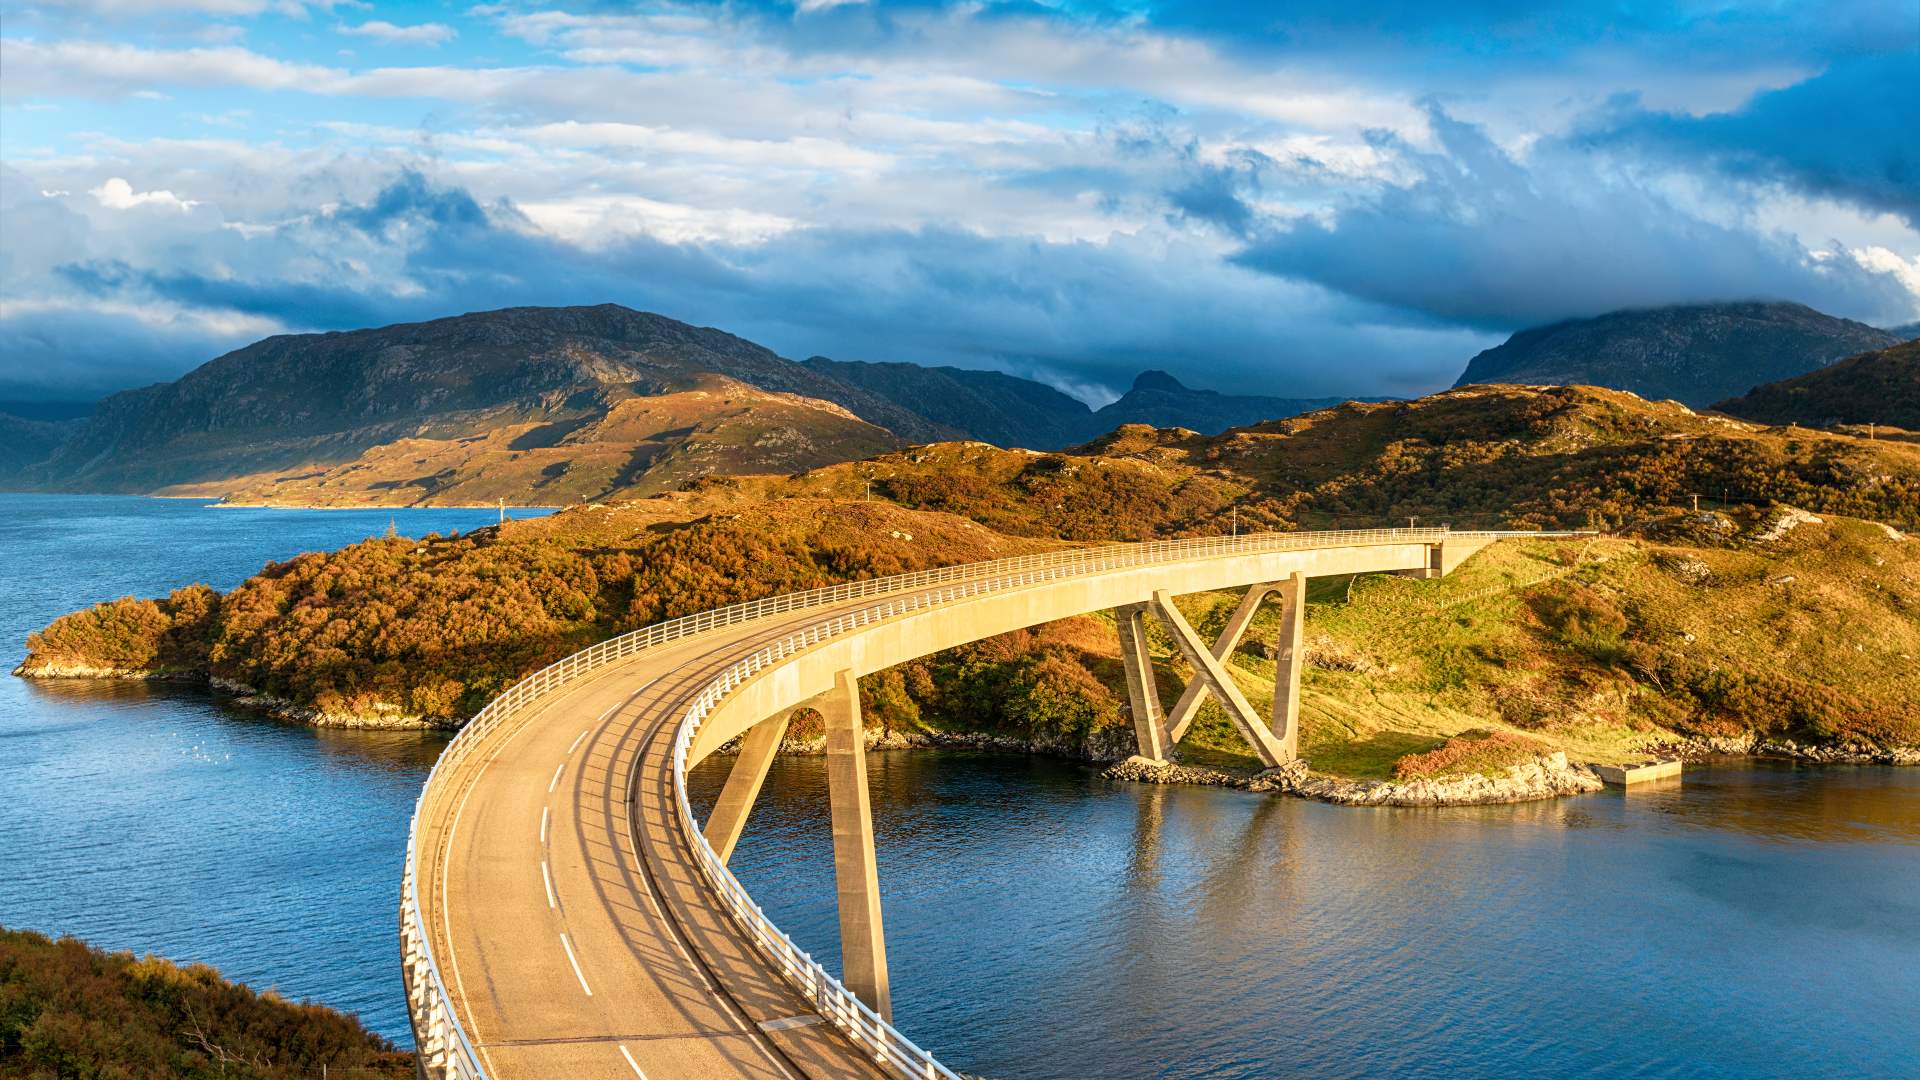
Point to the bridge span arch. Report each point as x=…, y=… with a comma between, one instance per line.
x=563, y=913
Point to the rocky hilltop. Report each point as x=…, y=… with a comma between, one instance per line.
x=1697, y=354
x=527, y=404
x=1881, y=387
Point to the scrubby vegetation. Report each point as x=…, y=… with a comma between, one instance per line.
x=1674, y=626
x=74, y=1013
x=1490, y=753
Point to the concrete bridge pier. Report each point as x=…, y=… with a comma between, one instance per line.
x=1288, y=654
x=856, y=873
x=1143, y=697
x=730, y=810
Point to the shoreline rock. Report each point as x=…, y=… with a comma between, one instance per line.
x=1546, y=777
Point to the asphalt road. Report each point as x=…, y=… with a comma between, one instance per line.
x=571, y=922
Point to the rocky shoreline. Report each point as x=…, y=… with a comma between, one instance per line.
x=383, y=718
x=1547, y=777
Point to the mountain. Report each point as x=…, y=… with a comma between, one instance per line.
x=536, y=405
x=1697, y=354
x=1905, y=331
x=987, y=405
x=1157, y=399
x=1881, y=387
x=25, y=441
x=1012, y=412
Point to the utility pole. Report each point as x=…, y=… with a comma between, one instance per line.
x=1696, y=504
x=503, y=511
x=1411, y=522
x=1236, y=521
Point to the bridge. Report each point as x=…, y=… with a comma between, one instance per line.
x=563, y=913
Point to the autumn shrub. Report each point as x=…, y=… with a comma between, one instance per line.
x=1581, y=618
x=1490, y=753
x=70, y=1011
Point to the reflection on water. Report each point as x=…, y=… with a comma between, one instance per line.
x=1758, y=920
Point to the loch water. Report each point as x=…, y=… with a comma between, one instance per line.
x=1754, y=920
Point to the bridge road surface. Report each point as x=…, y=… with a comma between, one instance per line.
x=568, y=920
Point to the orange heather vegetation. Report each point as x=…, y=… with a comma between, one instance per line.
x=1487, y=752
x=70, y=1011
x=436, y=627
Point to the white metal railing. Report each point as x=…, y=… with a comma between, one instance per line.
x=443, y=1044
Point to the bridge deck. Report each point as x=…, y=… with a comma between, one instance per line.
x=675, y=990
x=575, y=930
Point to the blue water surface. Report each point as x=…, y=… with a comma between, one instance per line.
x=160, y=820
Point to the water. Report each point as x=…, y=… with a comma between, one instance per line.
x=1756, y=921
x=155, y=819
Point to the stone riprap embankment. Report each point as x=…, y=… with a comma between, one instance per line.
x=1750, y=745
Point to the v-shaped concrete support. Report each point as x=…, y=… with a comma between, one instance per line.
x=1208, y=667
x=1180, y=717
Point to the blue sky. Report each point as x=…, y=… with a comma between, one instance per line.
x=1292, y=199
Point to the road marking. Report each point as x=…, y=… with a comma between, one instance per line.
x=555, y=782
x=631, y=1063
x=568, y=945
x=548, y=878
x=576, y=742
x=786, y=1022
x=543, y=824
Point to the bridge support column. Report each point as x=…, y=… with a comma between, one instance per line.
x=1184, y=710
x=1143, y=697
x=1288, y=653
x=856, y=874
x=749, y=771
x=1218, y=680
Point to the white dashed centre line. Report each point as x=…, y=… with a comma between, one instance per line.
x=548, y=878
x=543, y=824
x=634, y=1065
x=568, y=945
x=555, y=782
x=575, y=743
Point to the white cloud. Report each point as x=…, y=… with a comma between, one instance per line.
x=597, y=221
x=421, y=34
x=118, y=194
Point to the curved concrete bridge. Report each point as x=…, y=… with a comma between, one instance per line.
x=564, y=915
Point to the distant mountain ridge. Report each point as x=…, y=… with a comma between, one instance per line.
x=1697, y=354
x=990, y=406
x=1009, y=411
x=1880, y=387
x=548, y=405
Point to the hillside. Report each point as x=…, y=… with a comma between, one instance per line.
x=1697, y=354
x=1594, y=634
x=984, y=405
x=70, y=1011
x=322, y=413
x=26, y=440
x=1881, y=387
